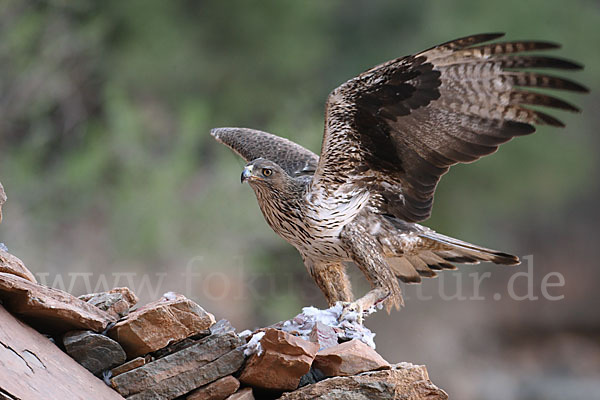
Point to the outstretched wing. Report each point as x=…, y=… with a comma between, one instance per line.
x=398, y=127
x=251, y=144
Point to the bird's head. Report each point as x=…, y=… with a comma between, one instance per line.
x=262, y=172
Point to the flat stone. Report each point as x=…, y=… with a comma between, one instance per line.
x=217, y=390
x=283, y=361
x=348, y=358
x=129, y=365
x=182, y=344
x=190, y=380
x=12, y=265
x=222, y=326
x=32, y=367
x=324, y=335
x=243, y=394
x=179, y=373
x=50, y=310
x=2, y=200
x=93, y=351
x=160, y=323
x=403, y=381
x=117, y=302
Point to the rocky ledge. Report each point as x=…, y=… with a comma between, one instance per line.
x=174, y=349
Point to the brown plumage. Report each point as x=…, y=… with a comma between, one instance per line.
x=390, y=134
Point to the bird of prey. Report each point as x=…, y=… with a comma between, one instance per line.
x=390, y=134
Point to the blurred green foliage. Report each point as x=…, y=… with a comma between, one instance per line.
x=106, y=107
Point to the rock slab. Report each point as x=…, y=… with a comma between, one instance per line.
x=244, y=394
x=218, y=390
x=348, y=358
x=32, y=367
x=178, y=346
x=116, y=302
x=93, y=351
x=403, y=381
x=12, y=265
x=179, y=373
x=160, y=323
x=129, y=365
x=283, y=361
x=50, y=310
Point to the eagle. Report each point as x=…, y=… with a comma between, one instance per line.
x=390, y=134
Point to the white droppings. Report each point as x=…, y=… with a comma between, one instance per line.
x=170, y=296
x=253, y=346
x=347, y=328
x=245, y=333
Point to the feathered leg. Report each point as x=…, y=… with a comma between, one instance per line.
x=368, y=256
x=332, y=280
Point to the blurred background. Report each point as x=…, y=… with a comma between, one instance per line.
x=113, y=178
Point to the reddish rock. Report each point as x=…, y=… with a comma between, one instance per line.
x=32, y=368
x=218, y=390
x=50, y=310
x=2, y=200
x=403, y=381
x=349, y=358
x=116, y=302
x=325, y=336
x=12, y=265
x=243, y=394
x=129, y=365
x=160, y=323
x=282, y=362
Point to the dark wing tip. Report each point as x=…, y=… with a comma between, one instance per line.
x=568, y=64
x=505, y=259
x=543, y=45
x=464, y=42
x=573, y=86
x=545, y=119
x=572, y=65
x=581, y=89
x=485, y=37
x=470, y=40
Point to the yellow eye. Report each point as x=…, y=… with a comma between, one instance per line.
x=267, y=172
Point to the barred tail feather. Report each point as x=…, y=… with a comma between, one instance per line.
x=464, y=252
x=439, y=253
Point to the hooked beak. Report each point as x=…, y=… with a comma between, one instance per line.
x=246, y=173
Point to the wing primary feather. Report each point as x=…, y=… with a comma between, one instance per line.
x=542, y=118
x=465, y=41
x=532, y=79
x=539, y=99
x=510, y=62
x=513, y=47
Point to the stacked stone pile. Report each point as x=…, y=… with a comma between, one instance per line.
x=174, y=349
